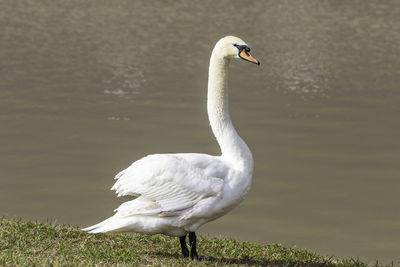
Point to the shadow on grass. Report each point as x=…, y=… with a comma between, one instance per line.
x=224, y=261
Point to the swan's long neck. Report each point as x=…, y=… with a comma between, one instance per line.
x=233, y=148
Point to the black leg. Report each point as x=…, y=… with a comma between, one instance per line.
x=192, y=242
x=185, y=251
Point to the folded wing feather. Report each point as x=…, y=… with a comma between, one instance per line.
x=164, y=184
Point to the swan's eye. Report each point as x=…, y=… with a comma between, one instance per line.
x=242, y=47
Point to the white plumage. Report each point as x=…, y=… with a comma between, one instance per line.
x=162, y=184
x=177, y=193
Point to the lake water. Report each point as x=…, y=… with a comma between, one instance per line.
x=87, y=87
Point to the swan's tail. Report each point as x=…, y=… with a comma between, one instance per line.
x=113, y=224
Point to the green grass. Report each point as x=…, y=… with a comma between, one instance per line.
x=33, y=243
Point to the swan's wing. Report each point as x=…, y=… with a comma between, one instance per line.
x=211, y=165
x=165, y=184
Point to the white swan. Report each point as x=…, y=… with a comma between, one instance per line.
x=177, y=193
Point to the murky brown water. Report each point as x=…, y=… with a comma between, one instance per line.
x=87, y=87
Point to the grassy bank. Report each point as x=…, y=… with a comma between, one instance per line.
x=33, y=243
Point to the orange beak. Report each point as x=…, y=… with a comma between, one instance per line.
x=246, y=56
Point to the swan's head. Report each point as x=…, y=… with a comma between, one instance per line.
x=233, y=47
